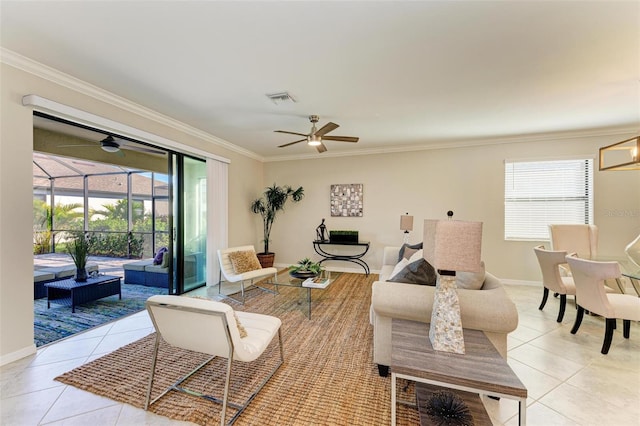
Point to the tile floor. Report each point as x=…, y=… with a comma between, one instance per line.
x=569, y=381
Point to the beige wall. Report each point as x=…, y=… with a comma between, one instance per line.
x=423, y=183
x=16, y=148
x=469, y=181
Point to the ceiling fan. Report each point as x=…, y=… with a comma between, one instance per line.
x=316, y=136
x=110, y=144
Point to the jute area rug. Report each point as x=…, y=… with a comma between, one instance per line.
x=328, y=377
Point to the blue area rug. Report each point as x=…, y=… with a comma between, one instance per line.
x=58, y=322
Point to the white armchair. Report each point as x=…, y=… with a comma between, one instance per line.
x=210, y=327
x=237, y=265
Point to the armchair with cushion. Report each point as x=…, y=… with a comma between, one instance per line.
x=484, y=305
x=240, y=264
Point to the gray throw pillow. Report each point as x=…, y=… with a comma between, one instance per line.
x=418, y=272
x=471, y=280
x=407, y=250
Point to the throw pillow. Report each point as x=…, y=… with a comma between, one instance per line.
x=418, y=272
x=157, y=258
x=244, y=261
x=165, y=259
x=241, y=329
x=407, y=250
x=416, y=256
x=470, y=280
x=399, y=267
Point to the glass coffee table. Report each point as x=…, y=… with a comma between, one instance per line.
x=320, y=282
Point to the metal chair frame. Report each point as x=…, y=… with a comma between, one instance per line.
x=176, y=386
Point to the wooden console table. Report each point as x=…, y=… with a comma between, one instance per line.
x=355, y=258
x=481, y=369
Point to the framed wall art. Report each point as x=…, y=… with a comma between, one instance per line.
x=346, y=200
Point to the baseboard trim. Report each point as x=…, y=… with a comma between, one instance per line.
x=19, y=354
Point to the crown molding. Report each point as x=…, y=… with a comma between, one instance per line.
x=30, y=66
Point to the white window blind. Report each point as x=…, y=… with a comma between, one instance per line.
x=539, y=193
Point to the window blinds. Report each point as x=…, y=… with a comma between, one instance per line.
x=540, y=193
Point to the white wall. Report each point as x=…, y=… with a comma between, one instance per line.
x=16, y=207
x=469, y=181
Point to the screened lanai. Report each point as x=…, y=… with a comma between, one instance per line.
x=125, y=210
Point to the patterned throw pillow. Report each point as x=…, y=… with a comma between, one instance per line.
x=241, y=329
x=244, y=261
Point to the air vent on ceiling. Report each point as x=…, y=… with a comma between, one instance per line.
x=281, y=97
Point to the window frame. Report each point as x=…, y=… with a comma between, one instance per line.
x=552, y=207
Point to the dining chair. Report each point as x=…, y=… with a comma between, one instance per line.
x=215, y=329
x=589, y=277
x=550, y=262
x=240, y=264
x=574, y=238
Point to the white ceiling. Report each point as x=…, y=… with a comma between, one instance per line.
x=397, y=74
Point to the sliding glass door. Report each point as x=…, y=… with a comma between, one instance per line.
x=190, y=206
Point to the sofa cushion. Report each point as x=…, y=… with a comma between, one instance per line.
x=244, y=261
x=406, y=251
x=471, y=280
x=416, y=272
x=138, y=265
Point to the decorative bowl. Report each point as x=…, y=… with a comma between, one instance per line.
x=303, y=274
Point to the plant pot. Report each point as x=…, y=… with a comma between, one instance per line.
x=81, y=275
x=266, y=259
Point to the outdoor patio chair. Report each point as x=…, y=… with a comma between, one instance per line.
x=212, y=328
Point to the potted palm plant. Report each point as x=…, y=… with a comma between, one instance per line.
x=272, y=201
x=79, y=251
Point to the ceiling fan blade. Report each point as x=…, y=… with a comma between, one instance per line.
x=326, y=129
x=290, y=133
x=341, y=138
x=291, y=143
x=142, y=149
x=77, y=146
x=321, y=148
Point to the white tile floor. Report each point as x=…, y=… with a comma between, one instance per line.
x=569, y=381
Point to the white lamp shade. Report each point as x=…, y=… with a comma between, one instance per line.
x=453, y=245
x=406, y=222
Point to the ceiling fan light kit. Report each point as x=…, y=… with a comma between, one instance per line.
x=316, y=137
x=109, y=145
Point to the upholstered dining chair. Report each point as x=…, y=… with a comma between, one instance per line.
x=550, y=262
x=240, y=264
x=215, y=329
x=589, y=277
x=574, y=238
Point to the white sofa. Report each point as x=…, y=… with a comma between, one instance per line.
x=488, y=309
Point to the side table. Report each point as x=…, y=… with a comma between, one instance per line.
x=318, y=246
x=481, y=370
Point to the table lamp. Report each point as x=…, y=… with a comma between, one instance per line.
x=450, y=246
x=406, y=225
